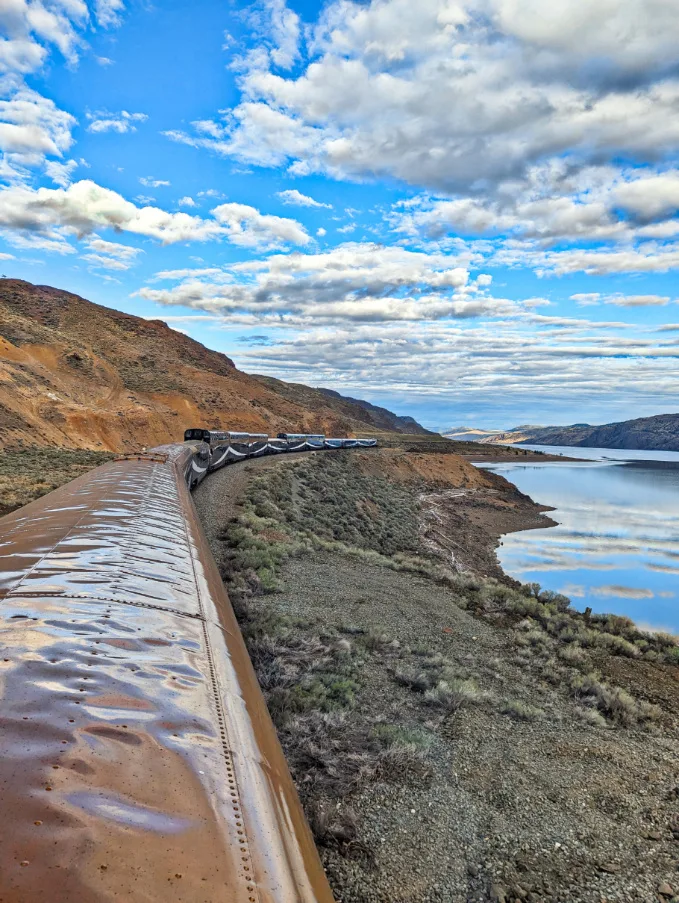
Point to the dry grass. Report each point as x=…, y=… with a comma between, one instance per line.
x=29, y=473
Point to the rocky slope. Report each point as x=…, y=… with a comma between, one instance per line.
x=313, y=399
x=75, y=374
x=654, y=433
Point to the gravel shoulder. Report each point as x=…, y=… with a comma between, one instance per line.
x=453, y=737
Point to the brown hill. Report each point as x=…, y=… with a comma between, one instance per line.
x=313, y=399
x=76, y=374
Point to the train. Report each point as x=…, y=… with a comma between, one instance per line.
x=213, y=449
x=138, y=760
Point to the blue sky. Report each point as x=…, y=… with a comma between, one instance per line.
x=465, y=210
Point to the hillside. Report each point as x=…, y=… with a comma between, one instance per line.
x=76, y=374
x=660, y=432
x=376, y=417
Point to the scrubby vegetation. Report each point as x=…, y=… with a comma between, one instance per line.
x=325, y=503
x=29, y=473
x=369, y=711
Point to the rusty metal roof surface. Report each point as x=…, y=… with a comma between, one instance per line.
x=138, y=761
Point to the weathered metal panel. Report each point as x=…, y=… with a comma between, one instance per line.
x=137, y=759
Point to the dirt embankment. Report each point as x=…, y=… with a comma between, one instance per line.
x=454, y=738
x=464, y=511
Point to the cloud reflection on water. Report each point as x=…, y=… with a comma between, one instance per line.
x=619, y=521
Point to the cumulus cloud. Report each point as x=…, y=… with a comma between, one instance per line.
x=296, y=198
x=122, y=122
x=28, y=26
x=285, y=32
x=32, y=125
x=487, y=87
x=85, y=206
x=357, y=282
x=187, y=202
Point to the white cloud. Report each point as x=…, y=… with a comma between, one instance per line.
x=247, y=226
x=186, y=202
x=111, y=254
x=296, y=198
x=108, y=12
x=447, y=360
x=285, y=31
x=27, y=26
x=85, y=206
x=651, y=196
x=122, y=122
x=321, y=232
x=60, y=173
x=638, y=300
x=650, y=258
x=591, y=299
x=486, y=87
x=355, y=282
x=150, y=182
x=32, y=126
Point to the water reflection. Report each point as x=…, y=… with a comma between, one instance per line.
x=616, y=546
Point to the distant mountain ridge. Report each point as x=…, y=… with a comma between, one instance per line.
x=657, y=433
x=74, y=373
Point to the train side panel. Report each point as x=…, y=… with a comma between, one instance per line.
x=138, y=761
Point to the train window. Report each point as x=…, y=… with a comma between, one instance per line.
x=196, y=435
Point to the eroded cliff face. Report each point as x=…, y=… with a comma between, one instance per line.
x=75, y=374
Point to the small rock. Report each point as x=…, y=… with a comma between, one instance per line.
x=472, y=871
x=610, y=868
x=654, y=835
x=665, y=890
x=498, y=893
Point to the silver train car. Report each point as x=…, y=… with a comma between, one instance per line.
x=138, y=761
x=216, y=448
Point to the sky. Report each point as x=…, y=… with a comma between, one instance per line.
x=464, y=210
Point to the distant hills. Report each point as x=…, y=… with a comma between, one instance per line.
x=74, y=373
x=660, y=432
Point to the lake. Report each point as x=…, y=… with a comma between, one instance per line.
x=616, y=546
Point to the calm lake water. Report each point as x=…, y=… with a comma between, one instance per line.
x=616, y=546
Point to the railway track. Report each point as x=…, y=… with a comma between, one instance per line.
x=138, y=761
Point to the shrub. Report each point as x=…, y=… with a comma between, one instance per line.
x=614, y=703
x=522, y=711
x=452, y=696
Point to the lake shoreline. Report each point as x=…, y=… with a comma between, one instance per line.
x=614, y=548
x=452, y=737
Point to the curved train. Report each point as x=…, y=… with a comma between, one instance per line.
x=215, y=448
x=138, y=761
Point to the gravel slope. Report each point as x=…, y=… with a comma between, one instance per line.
x=516, y=796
